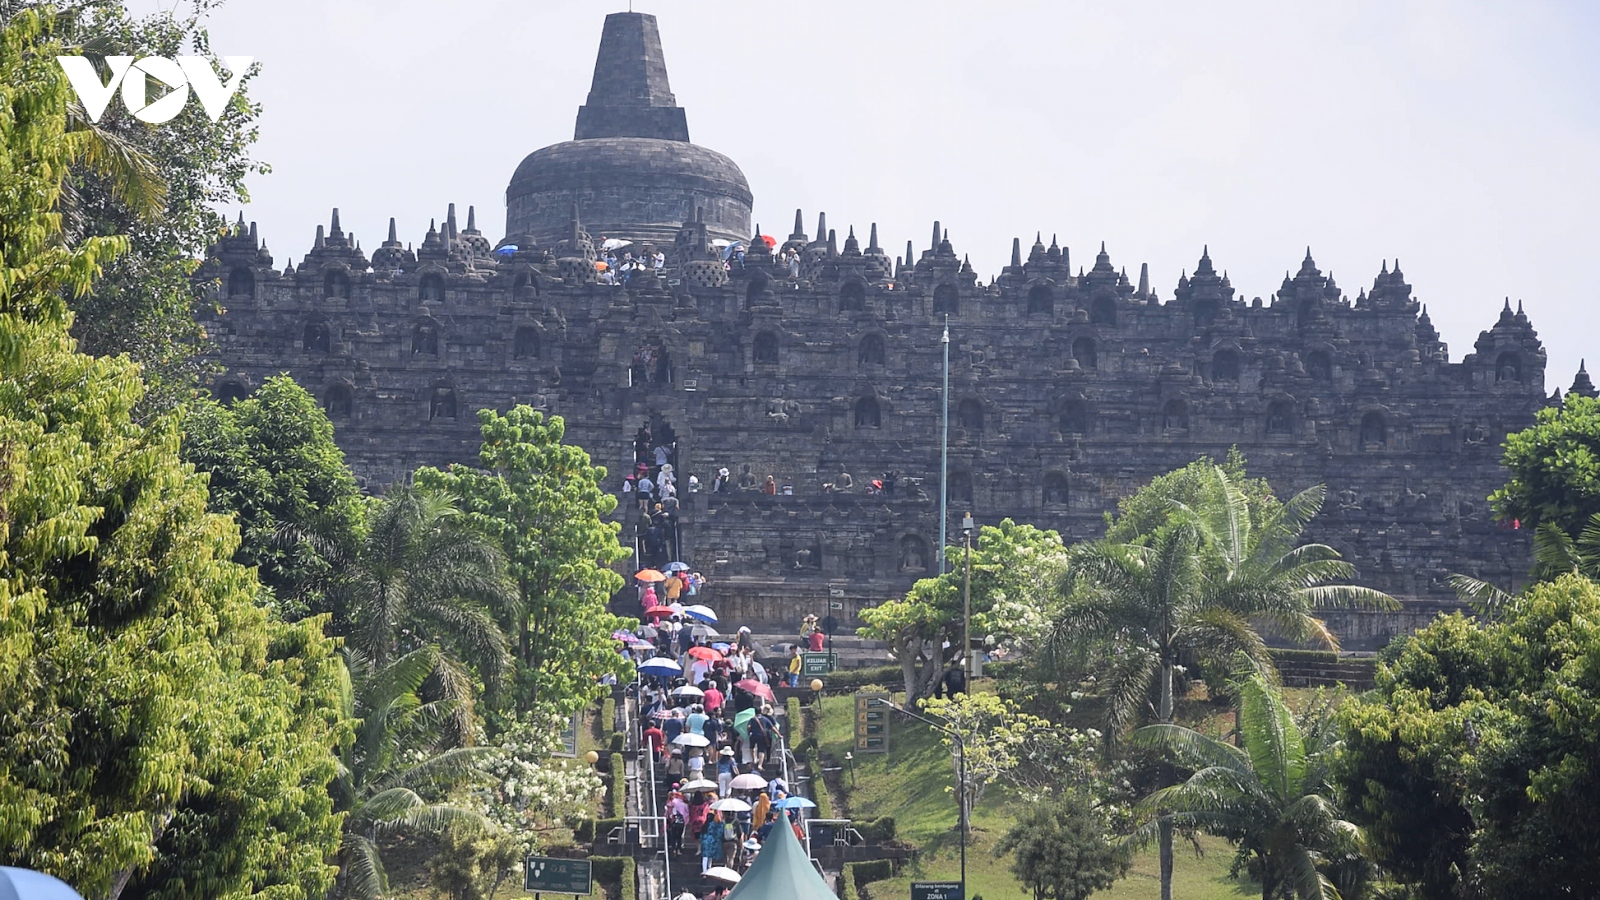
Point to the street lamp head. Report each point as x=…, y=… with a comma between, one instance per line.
x=591, y=757
x=816, y=684
x=967, y=526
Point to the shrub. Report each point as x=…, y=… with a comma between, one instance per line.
x=619, y=778
x=877, y=831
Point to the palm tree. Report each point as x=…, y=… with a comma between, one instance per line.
x=1271, y=796
x=421, y=576
x=1555, y=553
x=1201, y=586
x=399, y=753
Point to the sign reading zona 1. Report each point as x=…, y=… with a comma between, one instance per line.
x=558, y=876
x=937, y=890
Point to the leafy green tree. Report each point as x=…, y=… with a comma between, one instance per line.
x=1472, y=764
x=144, y=303
x=1198, y=586
x=422, y=575
x=398, y=772
x=1271, y=797
x=143, y=695
x=1063, y=850
x=541, y=499
x=995, y=737
x=1015, y=570
x=472, y=864
x=1555, y=468
x=274, y=466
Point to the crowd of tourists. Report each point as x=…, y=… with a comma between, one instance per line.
x=707, y=716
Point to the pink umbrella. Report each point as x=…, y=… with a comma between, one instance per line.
x=757, y=688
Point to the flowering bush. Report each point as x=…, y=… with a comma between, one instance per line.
x=528, y=791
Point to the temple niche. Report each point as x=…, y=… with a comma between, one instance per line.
x=1069, y=384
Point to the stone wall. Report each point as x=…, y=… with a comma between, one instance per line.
x=1067, y=392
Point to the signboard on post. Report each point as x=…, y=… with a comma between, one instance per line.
x=816, y=663
x=872, y=722
x=937, y=890
x=569, y=737
x=558, y=876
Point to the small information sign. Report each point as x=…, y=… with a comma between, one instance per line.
x=872, y=722
x=558, y=876
x=816, y=663
x=937, y=890
x=569, y=737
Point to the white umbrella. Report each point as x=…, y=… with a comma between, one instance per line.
x=721, y=242
x=723, y=873
x=703, y=629
x=749, y=781
x=615, y=244
x=731, y=804
x=699, y=784
x=690, y=739
x=688, y=690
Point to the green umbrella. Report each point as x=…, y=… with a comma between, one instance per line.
x=742, y=720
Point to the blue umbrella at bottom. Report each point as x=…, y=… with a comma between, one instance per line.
x=795, y=803
x=26, y=884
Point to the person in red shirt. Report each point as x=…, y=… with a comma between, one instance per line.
x=656, y=739
x=713, y=699
x=816, y=640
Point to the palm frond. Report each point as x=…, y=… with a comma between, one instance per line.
x=361, y=868
x=1190, y=748
x=1485, y=598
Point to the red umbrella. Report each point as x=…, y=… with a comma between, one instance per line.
x=704, y=653
x=657, y=612
x=649, y=575
x=769, y=240
x=757, y=688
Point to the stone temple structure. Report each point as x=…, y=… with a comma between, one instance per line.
x=1069, y=387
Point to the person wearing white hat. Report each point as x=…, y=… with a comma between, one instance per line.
x=720, y=483
x=725, y=770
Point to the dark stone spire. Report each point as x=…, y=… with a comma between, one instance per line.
x=333, y=230
x=1205, y=268
x=1144, y=280
x=393, y=238
x=1581, y=385
x=935, y=244
x=629, y=96
x=799, y=228
x=1016, y=252
x=872, y=242
x=852, y=247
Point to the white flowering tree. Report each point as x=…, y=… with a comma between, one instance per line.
x=527, y=791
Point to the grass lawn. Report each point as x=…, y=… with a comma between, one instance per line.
x=912, y=783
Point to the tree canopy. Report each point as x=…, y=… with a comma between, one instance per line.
x=1555, y=468
x=144, y=698
x=541, y=499
x=1473, y=763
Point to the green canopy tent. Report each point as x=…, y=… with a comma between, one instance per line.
x=782, y=872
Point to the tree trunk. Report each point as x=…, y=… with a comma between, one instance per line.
x=1164, y=714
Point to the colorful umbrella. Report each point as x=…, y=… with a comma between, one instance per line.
x=704, y=653
x=769, y=240
x=649, y=575
x=795, y=803
x=507, y=250
x=703, y=613
x=676, y=567
x=661, y=665
x=742, y=720
x=757, y=688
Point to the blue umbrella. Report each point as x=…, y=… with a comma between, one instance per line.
x=794, y=803
x=26, y=884
x=700, y=613
x=661, y=665
x=675, y=567
x=507, y=250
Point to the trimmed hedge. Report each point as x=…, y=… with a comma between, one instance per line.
x=588, y=831
x=618, y=870
x=845, y=681
x=877, y=831
x=608, y=717
x=854, y=876
x=619, y=778
x=1320, y=656
x=819, y=786
x=617, y=741
x=791, y=709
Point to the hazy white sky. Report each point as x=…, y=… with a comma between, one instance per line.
x=1462, y=137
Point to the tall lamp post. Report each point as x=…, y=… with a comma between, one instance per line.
x=944, y=444
x=961, y=778
x=966, y=604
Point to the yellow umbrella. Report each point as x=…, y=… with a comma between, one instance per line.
x=649, y=575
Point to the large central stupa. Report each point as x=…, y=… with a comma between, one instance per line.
x=630, y=167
